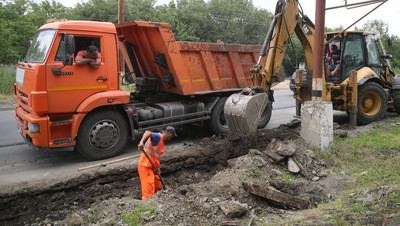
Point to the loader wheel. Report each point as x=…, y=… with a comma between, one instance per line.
x=266, y=116
x=396, y=101
x=218, y=123
x=102, y=135
x=372, y=103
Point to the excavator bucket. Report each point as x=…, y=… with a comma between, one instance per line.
x=243, y=111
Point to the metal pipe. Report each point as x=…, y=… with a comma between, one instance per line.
x=318, y=50
x=267, y=39
x=359, y=4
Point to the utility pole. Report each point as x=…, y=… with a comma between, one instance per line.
x=120, y=11
x=317, y=85
x=120, y=21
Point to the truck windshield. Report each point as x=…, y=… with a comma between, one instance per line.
x=40, y=46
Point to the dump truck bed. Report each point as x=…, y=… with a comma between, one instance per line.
x=185, y=68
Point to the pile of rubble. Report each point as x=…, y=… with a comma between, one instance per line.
x=283, y=177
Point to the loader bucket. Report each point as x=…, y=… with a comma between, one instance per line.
x=242, y=112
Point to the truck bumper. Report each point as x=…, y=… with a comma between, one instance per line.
x=37, y=139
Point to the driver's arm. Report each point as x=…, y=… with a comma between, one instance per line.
x=80, y=60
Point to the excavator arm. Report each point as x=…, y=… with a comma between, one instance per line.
x=243, y=110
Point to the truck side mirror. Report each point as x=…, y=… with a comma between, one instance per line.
x=389, y=42
x=30, y=43
x=69, y=49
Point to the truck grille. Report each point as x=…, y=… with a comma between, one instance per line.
x=23, y=100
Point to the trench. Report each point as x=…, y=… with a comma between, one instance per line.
x=196, y=164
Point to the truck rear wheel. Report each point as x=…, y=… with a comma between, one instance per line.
x=102, y=135
x=266, y=116
x=218, y=123
x=396, y=101
x=372, y=103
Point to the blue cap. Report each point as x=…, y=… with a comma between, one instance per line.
x=171, y=130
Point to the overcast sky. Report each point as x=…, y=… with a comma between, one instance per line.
x=388, y=12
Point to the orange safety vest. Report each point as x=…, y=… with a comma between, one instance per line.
x=154, y=152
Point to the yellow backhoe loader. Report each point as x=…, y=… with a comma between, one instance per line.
x=372, y=87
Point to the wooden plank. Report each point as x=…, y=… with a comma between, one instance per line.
x=277, y=197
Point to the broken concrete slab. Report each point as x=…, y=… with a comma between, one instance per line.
x=317, y=124
x=271, y=151
x=274, y=156
x=285, y=149
x=232, y=209
x=277, y=197
x=292, y=166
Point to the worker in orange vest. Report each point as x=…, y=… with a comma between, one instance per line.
x=154, y=147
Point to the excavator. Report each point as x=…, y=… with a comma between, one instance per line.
x=364, y=84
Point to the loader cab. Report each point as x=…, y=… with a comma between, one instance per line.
x=358, y=50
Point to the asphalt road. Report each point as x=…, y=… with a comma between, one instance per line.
x=19, y=163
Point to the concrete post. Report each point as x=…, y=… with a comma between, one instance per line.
x=317, y=124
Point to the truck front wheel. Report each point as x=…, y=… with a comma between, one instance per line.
x=372, y=103
x=102, y=134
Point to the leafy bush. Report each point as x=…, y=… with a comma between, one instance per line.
x=7, y=79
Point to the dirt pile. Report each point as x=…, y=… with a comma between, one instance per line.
x=208, y=186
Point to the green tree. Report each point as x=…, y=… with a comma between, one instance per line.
x=232, y=21
x=19, y=20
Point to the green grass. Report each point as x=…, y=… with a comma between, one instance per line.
x=136, y=216
x=362, y=157
x=217, y=176
x=285, y=177
x=92, y=215
x=7, y=80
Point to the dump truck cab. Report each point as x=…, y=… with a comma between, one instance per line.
x=53, y=92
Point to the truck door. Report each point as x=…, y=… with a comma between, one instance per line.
x=76, y=82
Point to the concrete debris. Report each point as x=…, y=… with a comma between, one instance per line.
x=277, y=197
x=272, y=150
x=341, y=133
x=74, y=219
x=274, y=156
x=232, y=209
x=292, y=166
x=315, y=178
x=286, y=149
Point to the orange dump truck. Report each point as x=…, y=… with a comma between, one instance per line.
x=62, y=104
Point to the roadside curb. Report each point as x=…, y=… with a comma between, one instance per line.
x=7, y=108
x=7, y=105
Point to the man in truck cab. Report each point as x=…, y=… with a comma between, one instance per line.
x=89, y=56
x=333, y=68
x=153, y=145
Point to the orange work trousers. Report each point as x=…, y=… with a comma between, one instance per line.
x=150, y=181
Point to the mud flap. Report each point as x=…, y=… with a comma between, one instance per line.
x=243, y=112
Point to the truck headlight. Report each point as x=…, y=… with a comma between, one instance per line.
x=33, y=127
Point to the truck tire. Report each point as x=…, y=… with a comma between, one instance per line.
x=102, y=135
x=396, y=101
x=372, y=103
x=217, y=123
x=266, y=116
